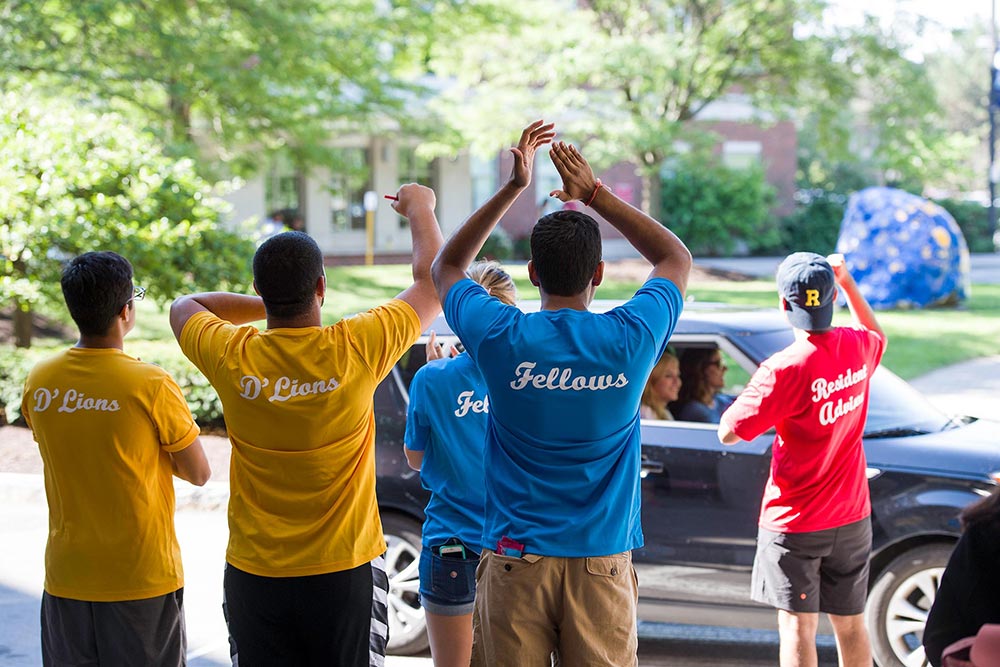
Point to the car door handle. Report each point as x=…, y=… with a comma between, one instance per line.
x=648, y=467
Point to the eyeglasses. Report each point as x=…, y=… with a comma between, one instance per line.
x=718, y=362
x=138, y=294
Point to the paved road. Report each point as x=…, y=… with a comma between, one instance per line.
x=202, y=535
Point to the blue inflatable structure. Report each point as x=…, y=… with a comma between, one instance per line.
x=903, y=250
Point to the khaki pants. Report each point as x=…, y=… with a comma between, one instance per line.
x=581, y=609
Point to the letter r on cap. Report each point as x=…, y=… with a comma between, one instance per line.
x=812, y=297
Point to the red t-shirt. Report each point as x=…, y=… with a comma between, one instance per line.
x=815, y=394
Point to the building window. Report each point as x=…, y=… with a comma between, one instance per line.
x=415, y=169
x=741, y=154
x=351, y=178
x=283, y=190
x=484, y=180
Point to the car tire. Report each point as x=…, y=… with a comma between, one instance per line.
x=407, y=625
x=898, y=604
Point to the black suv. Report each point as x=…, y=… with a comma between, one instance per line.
x=700, y=499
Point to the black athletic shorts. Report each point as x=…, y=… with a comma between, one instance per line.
x=825, y=570
x=131, y=633
x=323, y=619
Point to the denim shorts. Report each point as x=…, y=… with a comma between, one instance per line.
x=447, y=585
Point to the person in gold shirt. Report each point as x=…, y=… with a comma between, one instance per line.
x=111, y=430
x=304, y=528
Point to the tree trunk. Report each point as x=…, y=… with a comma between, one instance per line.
x=22, y=325
x=651, y=188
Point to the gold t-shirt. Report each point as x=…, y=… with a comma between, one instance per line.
x=104, y=423
x=298, y=407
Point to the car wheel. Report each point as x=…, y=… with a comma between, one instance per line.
x=899, y=602
x=407, y=626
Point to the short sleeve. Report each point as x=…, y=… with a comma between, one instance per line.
x=203, y=340
x=472, y=313
x=876, y=347
x=656, y=307
x=383, y=334
x=172, y=417
x=757, y=408
x=417, y=425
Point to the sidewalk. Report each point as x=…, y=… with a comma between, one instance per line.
x=967, y=388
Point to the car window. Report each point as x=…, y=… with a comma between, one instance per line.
x=895, y=408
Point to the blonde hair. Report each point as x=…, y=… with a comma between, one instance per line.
x=497, y=282
x=648, y=399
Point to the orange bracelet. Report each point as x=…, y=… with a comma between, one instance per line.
x=593, y=195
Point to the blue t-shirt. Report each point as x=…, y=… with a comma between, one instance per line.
x=562, y=443
x=446, y=420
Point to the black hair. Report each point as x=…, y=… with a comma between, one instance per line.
x=985, y=509
x=285, y=270
x=565, y=251
x=96, y=286
x=693, y=362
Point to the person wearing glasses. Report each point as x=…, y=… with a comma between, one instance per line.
x=112, y=431
x=703, y=375
x=662, y=387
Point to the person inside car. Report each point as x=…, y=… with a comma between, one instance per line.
x=444, y=440
x=662, y=387
x=562, y=455
x=703, y=375
x=815, y=536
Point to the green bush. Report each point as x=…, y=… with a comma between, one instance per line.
x=522, y=248
x=201, y=397
x=498, y=246
x=714, y=208
x=14, y=366
x=974, y=220
x=815, y=224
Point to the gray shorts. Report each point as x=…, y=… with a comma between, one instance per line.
x=825, y=570
x=143, y=633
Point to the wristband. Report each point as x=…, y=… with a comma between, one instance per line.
x=593, y=195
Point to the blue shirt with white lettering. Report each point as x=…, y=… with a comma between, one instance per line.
x=446, y=420
x=563, y=446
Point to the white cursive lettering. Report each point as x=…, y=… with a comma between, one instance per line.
x=465, y=404
x=830, y=412
x=43, y=398
x=563, y=379
x=823, y=388
x=287, y=388
x=74, y=400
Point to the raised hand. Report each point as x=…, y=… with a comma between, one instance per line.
x=435, y=351
x=533, y=136
x=412, y=197
x=578, y=178
x=839, y=266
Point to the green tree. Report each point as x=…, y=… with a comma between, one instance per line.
x=634, y=77
x=237, y=77
x=714, y=207
x=75, y=181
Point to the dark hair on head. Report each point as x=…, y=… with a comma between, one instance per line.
x=986, y=509
x=694, y=384
x=96, y=286
x=565, y=251
x=285, y=270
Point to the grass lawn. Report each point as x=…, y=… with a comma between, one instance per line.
x=919, y=340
